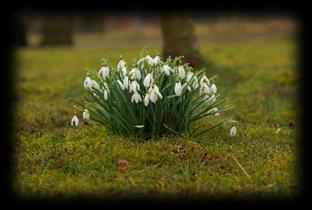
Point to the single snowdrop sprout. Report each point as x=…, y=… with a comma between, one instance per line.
x=75, y=121
x=233, y=131
x=86, y=115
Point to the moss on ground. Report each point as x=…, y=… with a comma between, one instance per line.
x=54, y=159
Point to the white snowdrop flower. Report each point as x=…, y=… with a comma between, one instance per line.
x=156, y=90
x=166, y=69
x=149, y=60
x=156, y=60
x=189, y=75
x=135, y=73
x=148, y=80
x=233, y=131
x=178, y=88
x=105, y=95
x=124, y=71
x=121, y=64
x=134, y=86
x=189, y=88
x=126, y=82
x=86, y=115
x=95, y=85
x=217, y=114
x=204, y=80
x=205, y=89
x=213, y=88
x=213, y=110
x=181, y=72
x=87, y=83
x=146, y=100
x=152, y=61
x=121, y=85
x=136, y=97
x=75, y=121
x=104, y=72
x=153, y=96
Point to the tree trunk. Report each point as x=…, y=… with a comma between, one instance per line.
x=179, y=38
x=57, y=31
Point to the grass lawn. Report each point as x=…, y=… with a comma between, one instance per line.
x=54, y=159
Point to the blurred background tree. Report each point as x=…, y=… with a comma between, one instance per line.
x=173, y=34
x=57, y=30
x=178, y=34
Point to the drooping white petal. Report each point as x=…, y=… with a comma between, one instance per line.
x=126, y=82
x=147, y=80
x=149, y=60
x=189, y=76
x=178, y=88
x=156, y=90
x=95, y=85
x=213, y=88
x=136, y=97
x=233, y=131
x=166, y=70
x=134, y=86
x=153, y=96
x=121, y=64
x=135, y=73
x=156, y=60
x=124, y=71
x=86, y=115
x=205, y=89
x=204, y=80
x=181, y=72
x=87, y=83
x=146, y=100
x=75, y=121
x=104, y=72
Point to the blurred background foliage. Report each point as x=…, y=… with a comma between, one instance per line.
x=175, y=34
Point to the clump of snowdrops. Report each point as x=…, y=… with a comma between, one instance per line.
x=149, y=98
